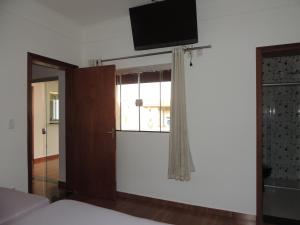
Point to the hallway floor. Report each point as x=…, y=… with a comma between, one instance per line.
x=45, y=178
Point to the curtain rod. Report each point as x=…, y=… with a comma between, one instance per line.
x=151, y=54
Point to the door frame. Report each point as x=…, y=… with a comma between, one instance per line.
x=261, y=52
x=52, y=63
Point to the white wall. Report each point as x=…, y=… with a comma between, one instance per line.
x=25, y=26
x=39, y=120
x=221, y=103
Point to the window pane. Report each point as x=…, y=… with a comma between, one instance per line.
x=54, y=107
x=143, y=101
x=150, y=111
x=165, y=106
x=129, y=111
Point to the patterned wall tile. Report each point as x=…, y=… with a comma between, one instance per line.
x=281, y=69
x=281, y=117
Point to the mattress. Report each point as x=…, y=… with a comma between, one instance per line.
x=15, y=204
x=69, y=212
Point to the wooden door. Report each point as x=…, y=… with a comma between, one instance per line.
x=91, y=142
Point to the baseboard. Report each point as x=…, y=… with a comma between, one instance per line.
x=198, y=209
x=46, y=158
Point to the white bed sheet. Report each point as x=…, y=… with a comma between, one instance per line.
x=14, y=204
x=69, y=212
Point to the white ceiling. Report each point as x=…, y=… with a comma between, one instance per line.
x=89, y=12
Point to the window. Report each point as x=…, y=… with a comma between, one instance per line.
x=54, y=107
x=143, y=101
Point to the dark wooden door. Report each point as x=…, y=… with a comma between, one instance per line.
x=91, y=142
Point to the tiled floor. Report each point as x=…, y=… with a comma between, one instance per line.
x=45, y=178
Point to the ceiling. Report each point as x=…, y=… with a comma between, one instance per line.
x=89, y=12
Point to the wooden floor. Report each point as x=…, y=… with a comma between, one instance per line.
x=49, y=169
x=45, y=178
x=152, y=211
x=166, y=214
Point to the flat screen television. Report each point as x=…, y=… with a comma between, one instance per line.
x=164, y=23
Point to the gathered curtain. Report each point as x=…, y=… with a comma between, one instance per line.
x=180, y=159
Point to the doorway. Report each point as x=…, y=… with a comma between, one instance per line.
x=278, y=132
x=46, y=125
x=87, y=151
x=45, y=117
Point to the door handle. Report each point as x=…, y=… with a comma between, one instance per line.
x=44, y=131
x=112, y=132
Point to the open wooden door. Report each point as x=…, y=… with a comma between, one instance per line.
x=91, y=141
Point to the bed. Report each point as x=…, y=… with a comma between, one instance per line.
x=69, y=212
x=15, y=204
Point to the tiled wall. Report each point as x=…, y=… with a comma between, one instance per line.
x=281, y=117
x=281, y=69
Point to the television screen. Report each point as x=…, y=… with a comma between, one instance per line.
x=164, y=23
